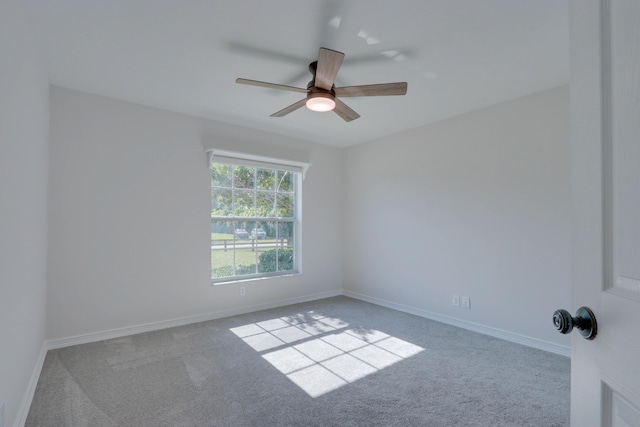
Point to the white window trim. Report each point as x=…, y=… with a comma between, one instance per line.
x=236, y=158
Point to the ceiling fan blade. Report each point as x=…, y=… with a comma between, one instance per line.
x=393, y=55
x=290, y=108
x=344, y=111
x=270, y=85
x=329, y=62
x=268, y=54
x=384, y=89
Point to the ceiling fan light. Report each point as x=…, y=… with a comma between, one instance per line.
x=320, y=102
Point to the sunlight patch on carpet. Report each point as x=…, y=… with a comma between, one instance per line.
x=319, y=354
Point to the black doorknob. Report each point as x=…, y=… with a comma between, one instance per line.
x=584, y=320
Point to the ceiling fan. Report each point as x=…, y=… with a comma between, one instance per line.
x=322, y=95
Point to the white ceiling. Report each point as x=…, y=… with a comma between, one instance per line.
x=184, y=56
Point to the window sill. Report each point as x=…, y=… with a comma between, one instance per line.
x=252, y=279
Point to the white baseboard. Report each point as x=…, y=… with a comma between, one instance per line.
x=21, y=418
x=163, y=324
x=494, y=332
x=154, y=326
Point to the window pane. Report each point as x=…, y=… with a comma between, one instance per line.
x=221, y=202
x=258, y=231
x=285, y=231
x=265, y=230
x=285, y=181
x=242, y=244
x=285, y=205
x=269, y=228
x=285, y=259
x=245, y=259
x=285, y=246
x=244, y=203
x=221, y=248
x=266, y=247
x=245, y=255
x=265, y=204
x=221, y=229
x=220, y=175
x=266, y=179
x=244, y=177
x=240, y=231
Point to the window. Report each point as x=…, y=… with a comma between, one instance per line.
x=255, y=218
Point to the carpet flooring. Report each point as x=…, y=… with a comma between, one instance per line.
x=332, y=362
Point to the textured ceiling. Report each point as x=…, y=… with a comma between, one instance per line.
x=184, y=56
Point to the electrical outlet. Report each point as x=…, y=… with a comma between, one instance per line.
x=242, y=291
x=466, y=302
x=455, y=300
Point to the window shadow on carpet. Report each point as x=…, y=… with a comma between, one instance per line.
x=320, y=353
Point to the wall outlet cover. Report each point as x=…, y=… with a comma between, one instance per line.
x=466, y=302
x=455, y=300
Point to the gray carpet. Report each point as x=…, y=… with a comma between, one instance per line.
x=334, y=362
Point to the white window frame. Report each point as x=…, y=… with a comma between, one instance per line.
x=300, y=169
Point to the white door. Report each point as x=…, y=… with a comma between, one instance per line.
x=605, y=146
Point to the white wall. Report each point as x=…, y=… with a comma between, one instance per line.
x=24, y=103
x=130, y=216
x=477, y=205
